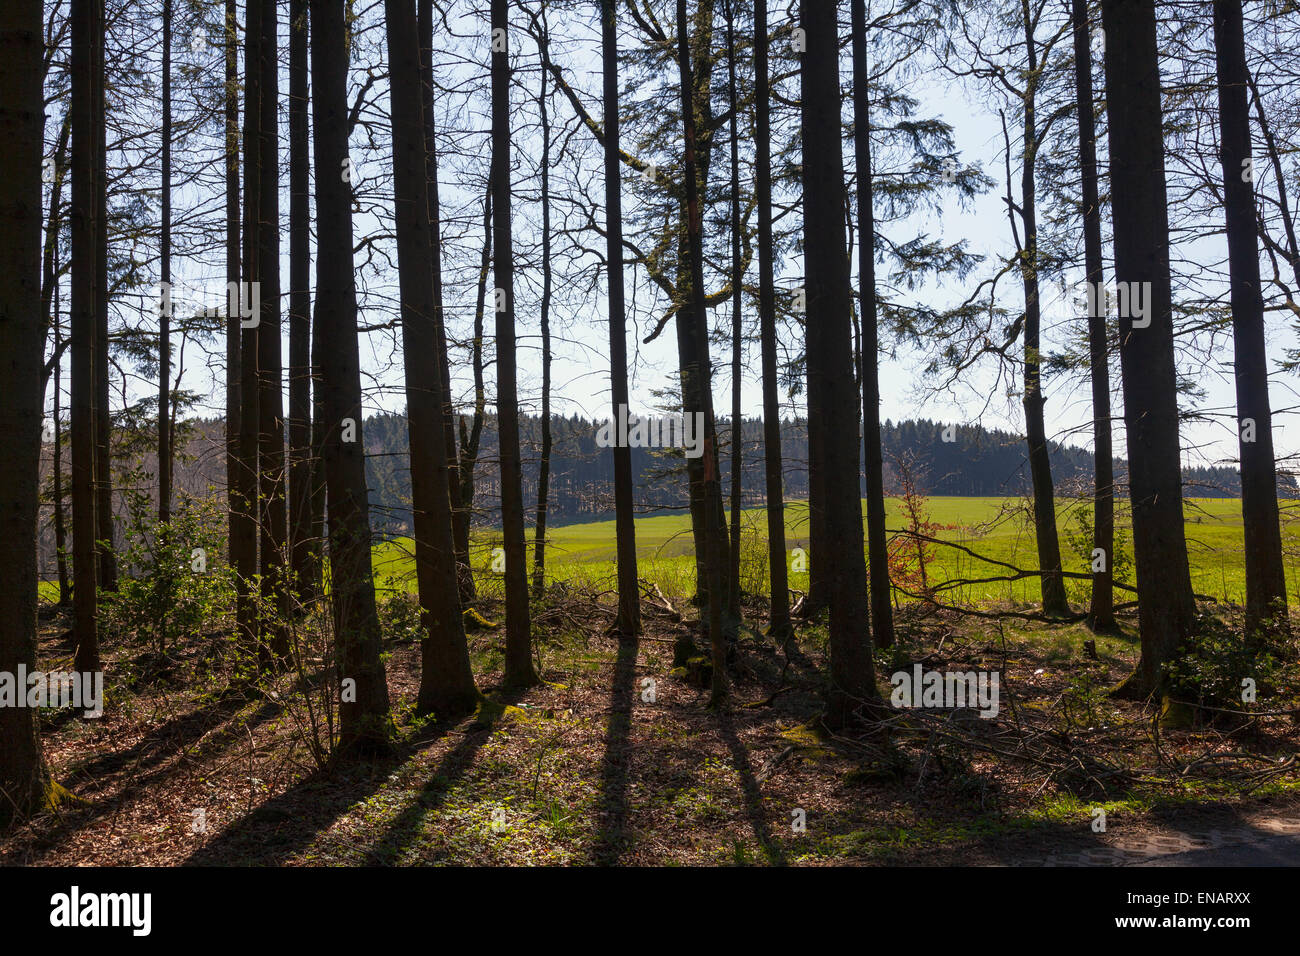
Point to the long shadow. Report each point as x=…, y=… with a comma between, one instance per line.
x=291, y=821
x=176, y=734
x=142, y=759
x=750, y=789
x=611, y=839
x=404, y=829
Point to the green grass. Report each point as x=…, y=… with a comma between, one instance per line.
x=998, y=528
x=995, y=527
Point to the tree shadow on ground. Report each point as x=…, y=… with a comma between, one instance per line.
x=404, y=830
x=611, y=839
x=753, y=794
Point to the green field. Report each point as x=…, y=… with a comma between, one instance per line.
x=994, y=527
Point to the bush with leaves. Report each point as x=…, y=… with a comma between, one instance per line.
x=174, y=576
x=1219, y=668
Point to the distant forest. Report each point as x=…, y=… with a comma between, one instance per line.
x=978, y=462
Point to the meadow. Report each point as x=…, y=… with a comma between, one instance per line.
x=997, y=528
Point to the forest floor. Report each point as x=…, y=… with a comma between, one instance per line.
x=615, y=760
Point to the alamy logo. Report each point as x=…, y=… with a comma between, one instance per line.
x=977, y=690
x=1131, y=299
x=53, y=689
x=73, y=909
x=671, y=431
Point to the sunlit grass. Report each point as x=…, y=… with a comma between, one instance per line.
x=997, y=528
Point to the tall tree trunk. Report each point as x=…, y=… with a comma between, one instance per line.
x=241, y=340
x=1265, y=578
x=737, y=284
x=165, y=305
x=830, y=366
x=302, y=543
x=24, y=780
x=60, y=521
x=425, y=22
x=544, y=467
x=446, y=683
x=519, y=657
x=363, y=717
x=86, y=22
x=628, y=622
x=1051, y=580
x=273, y=511
x=779, y=627
x=1101, y=614
x=882, y=611
x=700, y=372
x=1166, y=608
x=103, y=418
x=469, y=439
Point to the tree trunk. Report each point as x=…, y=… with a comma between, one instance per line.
x=425, y=23
x=60, y=521
x=544, y=466
x=363, y=717
x=779, y=627
x=273, y=554
x=25, y=783
x=830, y=367
x=302, y=544
x=446, y=683
x=103, y=419
x=700, y=372
x=1051, y=581
x=241, y=341
x=628, y=622
x=469, y=440
x=1265, y=578
x=737, y=282
x=1101, y=614
x=1166, y=608
x=882, y=612
x=519, y=655
x=165, y=305
x=85, y=27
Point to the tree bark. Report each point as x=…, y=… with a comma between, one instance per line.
x=273, y=554
x=700, y=371
x=628, y=622
x=363, y=723
x=86, y=23
x=737, y=282
x=1051, y=581
x=165, y=306
x=103, y=418
x=779, y=627
x=882, y=612
x=469, y=438
x=60, y=520
x=446, y=682
x=302, y=543
x=425, y=24
x=519, y=656
x=830, y=368
x=544, y=466
x=25, y=783
x=1265, y=577
x=241, y=341
x=1101, y=614
x=1166, y=608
